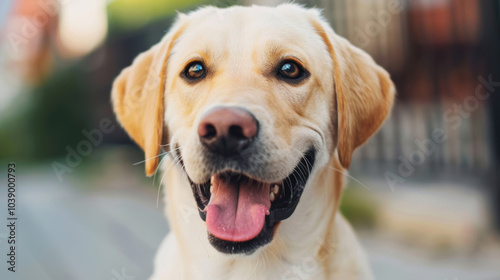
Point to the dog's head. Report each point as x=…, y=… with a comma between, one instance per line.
x=251, y=101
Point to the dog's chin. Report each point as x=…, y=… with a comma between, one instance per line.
x=242, y=212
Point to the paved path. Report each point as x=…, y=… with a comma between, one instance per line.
x=71, y=233
x=66, y=233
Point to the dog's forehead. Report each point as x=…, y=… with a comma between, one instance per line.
x=248, y=30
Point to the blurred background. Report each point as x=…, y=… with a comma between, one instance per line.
x=424, y=193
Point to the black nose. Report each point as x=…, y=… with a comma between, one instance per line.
x=227, y=130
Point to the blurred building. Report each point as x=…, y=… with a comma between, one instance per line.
x=443, y=57
x=437, y=51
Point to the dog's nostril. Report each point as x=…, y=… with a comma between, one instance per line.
x=210, y=131
x=236, y=132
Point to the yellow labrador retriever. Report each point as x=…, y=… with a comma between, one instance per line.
x=260, y=108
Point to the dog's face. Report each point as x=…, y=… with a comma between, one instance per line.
x=251, y=101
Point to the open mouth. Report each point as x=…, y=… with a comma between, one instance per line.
x=241, y=212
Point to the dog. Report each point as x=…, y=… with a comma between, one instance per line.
x=259, y=110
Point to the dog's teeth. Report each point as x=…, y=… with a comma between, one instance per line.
x=276, y=189
x=271, y=196
x=211, y=188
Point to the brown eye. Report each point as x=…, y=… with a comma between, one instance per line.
x=195, y=71
x=291, y=71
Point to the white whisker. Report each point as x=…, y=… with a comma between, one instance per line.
x=161, y=154
x=150, y=158
x=161, y=182
x=359, y=182
x=159, y=165
x=158, y=168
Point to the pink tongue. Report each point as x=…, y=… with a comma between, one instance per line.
x=235, y=213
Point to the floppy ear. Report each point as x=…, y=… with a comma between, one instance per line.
x=364, y=92
x=138, y=98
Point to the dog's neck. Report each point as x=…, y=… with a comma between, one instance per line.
x=309, y=232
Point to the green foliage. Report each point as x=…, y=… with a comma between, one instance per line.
x=358, y=208
x=48, y=119
x=128, y=15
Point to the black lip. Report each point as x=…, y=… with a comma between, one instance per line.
x=247, y=247
x=280, y=210
x=297, y=179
